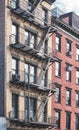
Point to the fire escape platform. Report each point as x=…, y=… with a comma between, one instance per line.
x=27, y=16
x=34, y=124
x=33, y=86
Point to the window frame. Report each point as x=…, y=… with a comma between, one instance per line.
x=77, y=121
x=15, y=103
x=45, y=16
x=68, y=48
x=68, y=120
x=68, y=72
x=58, y=95
x=16, y=69
x=29, y=77
x=68, y=96
x=58, y=69
x=77, y=76
x=77, y=99
x=28, y=103
x=59, y=118
x=28, y=40
x=58, y=45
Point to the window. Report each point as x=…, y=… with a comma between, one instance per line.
x=77, y=99
x=43, y=111
x=68, y=72
x=57, y=69
x=77, y=76
x=57, y=115
x=30, y=108
x=68, y=120
x=14, y=3
x=44, y=16
x=44, y=47
x=77, y=121
x=77, y=54
x=14, y=105
x=44, y=79
x=30, y=73
x=68, y=97
x=57, y=99
x=15, y=66
x=68, y=48
x=30, y=39
x=58, y=42
x=14, y=36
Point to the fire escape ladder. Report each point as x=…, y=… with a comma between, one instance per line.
x=48, y=30
x=40, y=109
x=44, y=67
x=44, y=37
x=35, y=4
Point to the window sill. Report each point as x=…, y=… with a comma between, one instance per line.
x=57, y=76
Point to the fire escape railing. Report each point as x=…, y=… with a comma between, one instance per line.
x=22, y=77
x=22, y=116
x=21, y=44
x=23, y=10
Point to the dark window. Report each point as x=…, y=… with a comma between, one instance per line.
x=77, y=54
x=58, y=42
x=68, y=120
x=14, y=35
x=77, y=99
x=45, y=16
x=68, y=97
x=58, y=69
x=30, y=39
x=15, y=66
x=77, y=76
x=14, y=106
x=57, y=99
x=77, y=122
x=68, y=72
x=30, y=73
x=30, y=108
x=57, y=115
x=68, y=48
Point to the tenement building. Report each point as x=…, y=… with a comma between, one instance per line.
x=65, y=71
x=26, y=56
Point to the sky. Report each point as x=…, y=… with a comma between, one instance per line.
x=67, y=5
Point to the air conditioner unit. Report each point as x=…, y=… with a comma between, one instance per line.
x=16, y=77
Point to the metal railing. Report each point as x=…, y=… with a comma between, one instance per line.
x=20, y=39
x=25, y=10
x=22, y=77
x=22, y=116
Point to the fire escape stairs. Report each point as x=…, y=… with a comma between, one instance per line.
x=35, y=4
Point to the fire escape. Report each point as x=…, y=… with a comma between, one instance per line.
x=18, y=9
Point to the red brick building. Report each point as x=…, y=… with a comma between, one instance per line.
x=65, y=72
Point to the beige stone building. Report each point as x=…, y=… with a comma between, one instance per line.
x=27, y=56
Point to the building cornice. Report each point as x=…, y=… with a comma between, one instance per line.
x=65, y=26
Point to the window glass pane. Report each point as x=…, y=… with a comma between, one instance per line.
x=32, y=40
x=57, y=69
x=26, y=72
x=13, y=66
x=26, y=38
x=14, y=34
